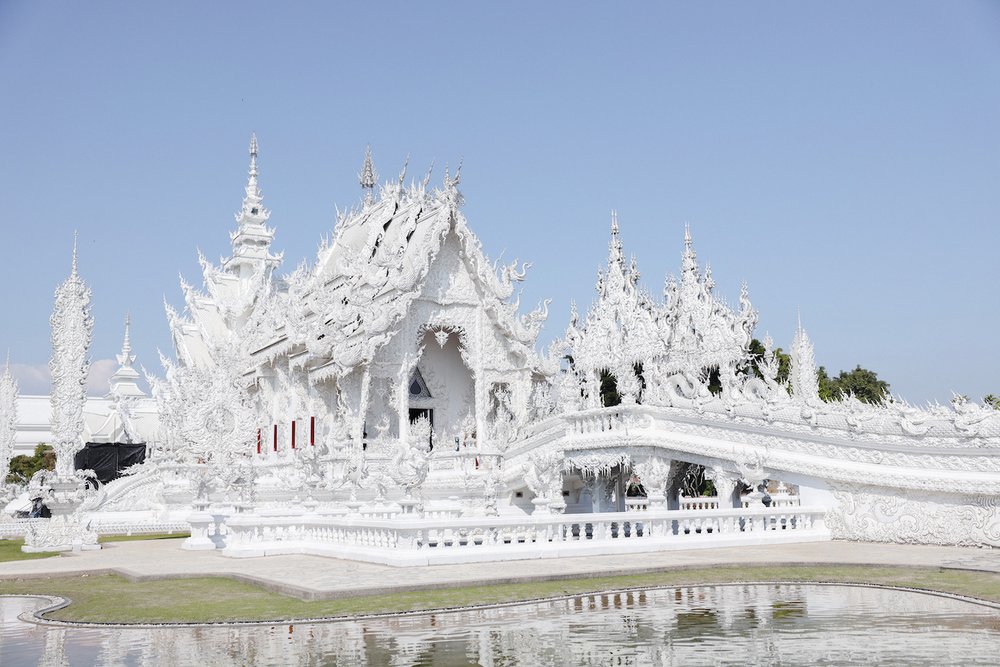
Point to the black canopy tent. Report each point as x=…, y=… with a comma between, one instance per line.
x=108, y=459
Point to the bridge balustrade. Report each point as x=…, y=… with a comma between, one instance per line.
x=406, y=541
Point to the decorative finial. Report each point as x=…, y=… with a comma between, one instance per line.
x=427, y=176
x=73, y=270
x=689, y=260
x=127, y=342
x=367, y=176
x=804, y=380
x=125, y=359
x=402, y=174
x=252, y=211
x=253, y=154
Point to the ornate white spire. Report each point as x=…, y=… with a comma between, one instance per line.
x=252, y=238
x=805, y=383
x=8, y=419
x=72, y=327
x=616, y=253
x=368, y=177
x=124, y=381
x=252, y=210
x=689, y=260
x=126, y=358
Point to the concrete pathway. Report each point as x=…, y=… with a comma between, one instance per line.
x=313, y=577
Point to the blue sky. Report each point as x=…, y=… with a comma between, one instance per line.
x=842, y=158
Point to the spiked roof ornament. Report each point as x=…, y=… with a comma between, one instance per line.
x=73, y=271
x=124, y=381
x=252, y=211
x=402, y=173
x=616, y=254
x=126, y=358
x=803, y=376
x=368, y=177
x=253, y=155
x=427, y=176
x=689, y=260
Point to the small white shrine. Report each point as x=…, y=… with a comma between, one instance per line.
x=389, y=402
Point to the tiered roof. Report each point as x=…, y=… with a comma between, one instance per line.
x=334, y=315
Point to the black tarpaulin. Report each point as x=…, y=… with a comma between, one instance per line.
x=107, y=459
x=131, y=454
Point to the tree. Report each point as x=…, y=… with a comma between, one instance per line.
x=861, y=382
x=609, y=390
x=757, y=356
x=713, y=378
x=22, y=467
x=992, y=400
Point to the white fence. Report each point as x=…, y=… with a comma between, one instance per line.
x=17, y=528
x=425, y=541
x=712, y=502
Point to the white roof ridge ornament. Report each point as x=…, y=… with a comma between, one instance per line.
x=368, y=177
x=73, y=265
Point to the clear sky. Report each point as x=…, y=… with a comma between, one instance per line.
x=842, y=158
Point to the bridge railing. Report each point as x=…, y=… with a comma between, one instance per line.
x=404, y=541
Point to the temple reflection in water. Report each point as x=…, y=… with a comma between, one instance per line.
x=767, y=624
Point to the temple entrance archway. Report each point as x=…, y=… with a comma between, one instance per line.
x=445, y=390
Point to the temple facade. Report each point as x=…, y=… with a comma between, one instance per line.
x=389, y=401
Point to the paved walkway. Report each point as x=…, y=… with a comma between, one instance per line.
x=313, y=577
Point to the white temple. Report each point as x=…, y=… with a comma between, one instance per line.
x=388, y=402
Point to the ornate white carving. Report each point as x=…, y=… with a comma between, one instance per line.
x=654, y=474
x=411, y=462
x=8, y=420
x=877, y=515
x=805, y=385
x=543, y=475
x=72, y=327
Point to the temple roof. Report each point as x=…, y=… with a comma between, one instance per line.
x=376, y=266
x=343, y=307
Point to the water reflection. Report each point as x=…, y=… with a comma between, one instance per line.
x=693, y=625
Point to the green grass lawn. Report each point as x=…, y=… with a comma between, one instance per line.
x=110, y=598
x=11, y=550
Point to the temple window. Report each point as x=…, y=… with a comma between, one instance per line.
x=418, y=388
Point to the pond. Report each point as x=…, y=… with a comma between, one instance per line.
x=766, y=624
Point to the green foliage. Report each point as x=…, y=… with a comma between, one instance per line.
x=22, y=467
x=861, y=382
x=757, y=356
x=992, y=400
x=713, y=379
x=609, y=386
x=609, y=390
